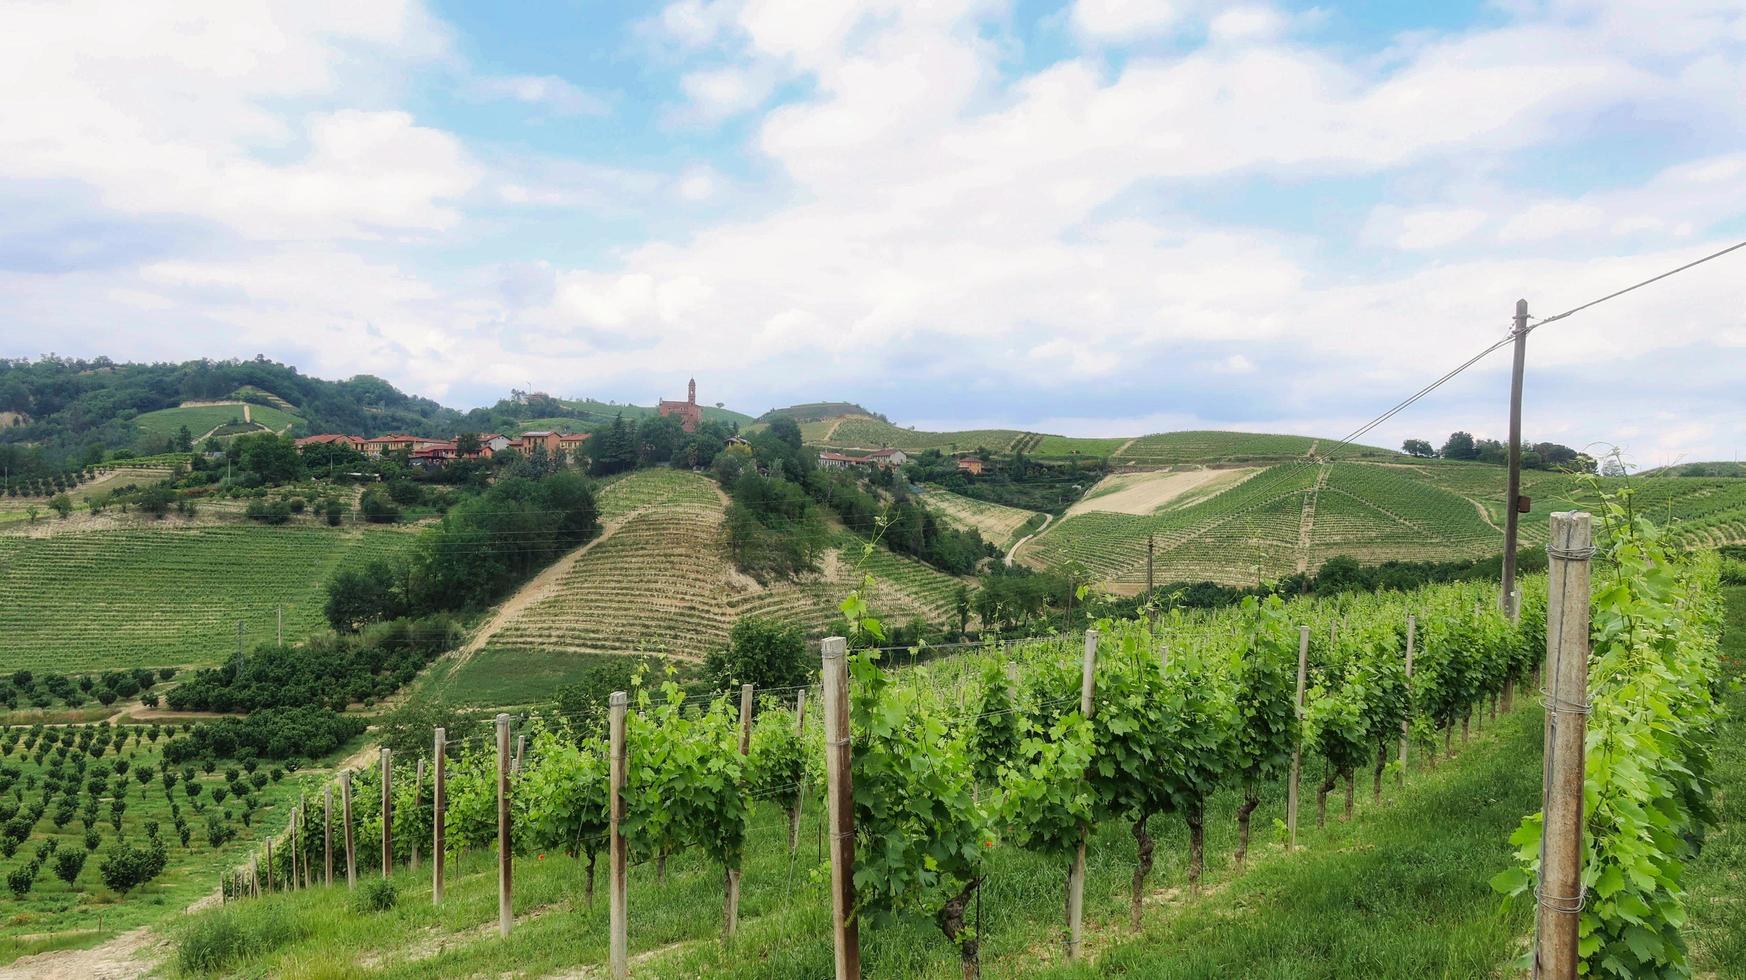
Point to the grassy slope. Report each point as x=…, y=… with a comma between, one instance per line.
x=996, y=522
x=203, y=419
x=1423, y=510
x=1717, y=878
x=167, y=595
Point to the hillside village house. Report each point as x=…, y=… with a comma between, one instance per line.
x=355, y=442
x=392, y=443
x=884, y=458
x=689, y=412
x=970, y=464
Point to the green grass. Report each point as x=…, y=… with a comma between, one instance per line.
x=1045, y=445
x=165, y=423
x=1717, y=878
x=1219, y=446
x=56, y=916
x=168, y=595
x=1400, y=891
x=869, y=433
x=498, y=677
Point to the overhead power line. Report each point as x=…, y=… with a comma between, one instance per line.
x=1510, y=337
x=1653, y=279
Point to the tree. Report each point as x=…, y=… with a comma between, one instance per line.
x=1418, y=447
x=467, y=443
x=765, y=652
x=184, y=442
x=61, y=504
x=1460, y=446
x=68, y=864
x=271, y=458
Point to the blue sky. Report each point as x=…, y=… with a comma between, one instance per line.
x=1094, y=216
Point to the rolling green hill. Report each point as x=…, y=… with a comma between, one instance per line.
x=202, y=419
x=167, y=595
x=1291, y=517
x=594, y=412
x=659, y=580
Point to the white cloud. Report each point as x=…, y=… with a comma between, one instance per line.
x=1247, y=23
x=718, y=93
x=1124, y=20
x=548, y=92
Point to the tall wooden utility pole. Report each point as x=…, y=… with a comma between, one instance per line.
x=1512, y=501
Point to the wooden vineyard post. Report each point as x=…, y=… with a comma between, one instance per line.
x=346, y=808
x=387, y=812
x=1292, y=789
x=504, y=903
x=1560, y=889
x=1406, y=723
x=417, y=793
x=616, y=852
x=794, y=814
x=520, y=747
x=731, y=900
x=299, y=860
x=439, y=800
x=840, y=809
x=327, y=832
x=1076, y=874
x=269, y=864
x=255, y=877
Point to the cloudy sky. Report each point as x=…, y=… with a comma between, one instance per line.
x=1096, y=217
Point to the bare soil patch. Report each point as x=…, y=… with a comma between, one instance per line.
x=1147, y=493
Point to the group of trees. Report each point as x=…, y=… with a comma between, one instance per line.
x=297, y=732
x=1021, y=481
x=779, y=497
x=482, y=548
x=90, y=772
x=40, y=690
x=331, y=670
x=1535, y=456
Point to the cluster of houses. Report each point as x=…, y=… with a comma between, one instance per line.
x=887, y=459
x=424, y=451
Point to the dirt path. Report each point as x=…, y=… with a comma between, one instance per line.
x=1484, y=515
x=1020, y=543
x=1306, y=525
x=131, y=954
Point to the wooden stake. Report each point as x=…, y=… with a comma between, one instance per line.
x=1513, y=489
x=417, y=793
x=505, y=911
x=439, y=756
x=731, y=900
x=387, y=812
x=1407, y=723
x=794, y=814
x=520, y=747
x=269, y=864
x=1076, y=873
x=840, y=807
x=1292, y=791
x=346, y=806
x=327, y=832
x=1567, y=624
x=616, y=852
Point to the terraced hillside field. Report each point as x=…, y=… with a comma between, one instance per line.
x=1218, y=446
x=202, y=419
x=167, y=596
x=997, y=523
x=866, y=432
x=659, y=580
x=1294, y=516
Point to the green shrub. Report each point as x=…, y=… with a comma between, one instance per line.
x=374, y=895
